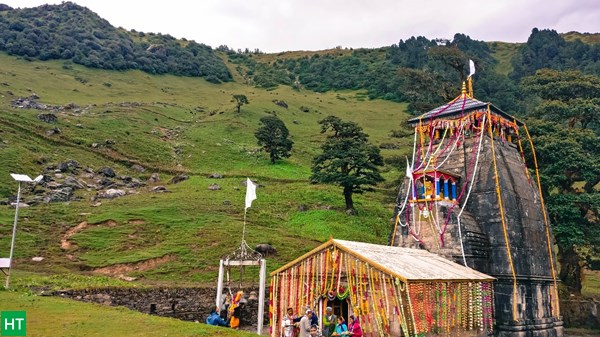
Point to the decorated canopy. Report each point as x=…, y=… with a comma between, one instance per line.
x=392, y=290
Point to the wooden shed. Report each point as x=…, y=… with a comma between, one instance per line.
x=394, y=291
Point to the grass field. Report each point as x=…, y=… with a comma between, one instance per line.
x=51, y=316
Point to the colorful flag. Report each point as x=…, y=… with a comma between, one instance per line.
x=250, y=192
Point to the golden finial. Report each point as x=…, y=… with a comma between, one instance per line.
x=464, y=89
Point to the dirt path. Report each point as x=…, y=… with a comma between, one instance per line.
x=65, y=241
x=121, y=269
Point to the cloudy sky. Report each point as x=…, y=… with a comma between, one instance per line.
x=281, y=25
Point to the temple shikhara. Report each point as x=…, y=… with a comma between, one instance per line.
x=468, y=196
x=470, y=253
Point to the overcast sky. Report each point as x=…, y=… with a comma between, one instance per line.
x=282, y=25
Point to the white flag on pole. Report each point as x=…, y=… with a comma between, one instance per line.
x=250, y=192
x=408, y=170
x=471, y=68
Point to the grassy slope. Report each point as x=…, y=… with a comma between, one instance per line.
x=194, y=224
x=503, y=52
x=590, y=38
x=48, y=316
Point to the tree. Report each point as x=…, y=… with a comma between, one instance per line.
x=569, y=161
x=240, y=100
x=567, y=96
x=348, y=160
x=273, y=137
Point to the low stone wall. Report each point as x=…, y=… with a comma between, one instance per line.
x=189, y=304
x=581, y=312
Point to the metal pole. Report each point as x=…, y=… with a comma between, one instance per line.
x=14, y=233
x=220, y=284
x=261, y=295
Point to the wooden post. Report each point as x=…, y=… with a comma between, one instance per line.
x=261, y=295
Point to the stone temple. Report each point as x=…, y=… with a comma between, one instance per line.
x=469, y=197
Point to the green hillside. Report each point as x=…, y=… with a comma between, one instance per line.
x=98, y=109
x=170, y=125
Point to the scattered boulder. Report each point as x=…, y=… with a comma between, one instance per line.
x=73, y=182
x=138, y=168
x=53, y=131
x=68, y=165
x=302, y=208
x=154, y=178
x=244, y=182
x=59, y=195
x=48, y=118
x=216, y=176
x=37, y=259
x=111, y=194
x=107, y=172
x=265, y=249
x=53, y=185
x=105, y=182
x=282, y=104
x=179, y=178
x=226, y=202
x=159, y=189
x=214, y=187
x=135, y=183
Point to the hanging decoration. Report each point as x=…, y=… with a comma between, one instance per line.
x=378, y=299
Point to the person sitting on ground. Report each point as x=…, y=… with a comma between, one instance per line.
x=340, y=328
x=214, y=318
x=314, y=331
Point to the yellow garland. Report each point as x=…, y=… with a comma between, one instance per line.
x=272, y=320
x=410, y=307
x=502, y=218
x=537, y=175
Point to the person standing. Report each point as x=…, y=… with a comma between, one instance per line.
x=329, y=322
x=304, y=324
x=288, y=323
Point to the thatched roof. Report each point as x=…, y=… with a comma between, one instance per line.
x=406, y=264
